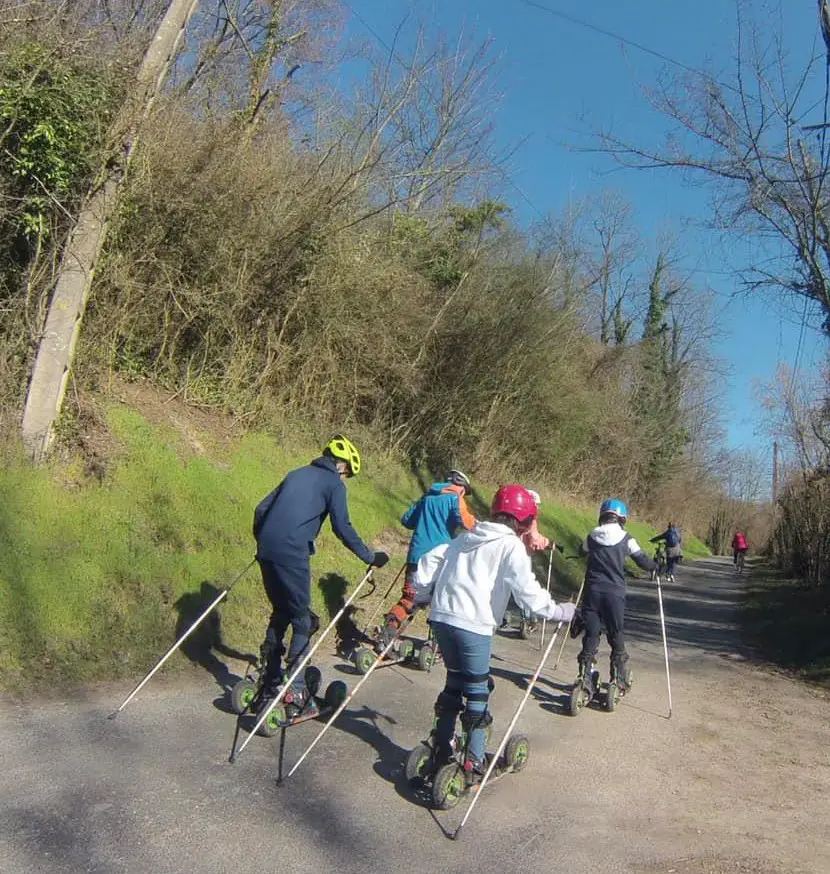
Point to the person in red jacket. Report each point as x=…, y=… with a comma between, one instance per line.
x=739, y=549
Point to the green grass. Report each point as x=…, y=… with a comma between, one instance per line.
x=95, y=577
x=786, y=622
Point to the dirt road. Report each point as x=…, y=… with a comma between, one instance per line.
x=737, y=781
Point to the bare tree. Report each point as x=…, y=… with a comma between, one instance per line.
x=768, y=170
x=74, y=276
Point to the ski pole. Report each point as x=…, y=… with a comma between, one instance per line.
x=306, y=659
x=550, y=571
x=568, y=629
x=223, y=594
x=507, y=734
x=378, y=659
x=665, y=642
x=383, y=600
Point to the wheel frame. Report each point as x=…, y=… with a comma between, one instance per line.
x=416, y=759
x=313, y=679
x=276, y=720
x=449, y=786
x=513, y=757
x=427, y=656
x=575, y=702
x=336, y=693
x=363, y=659
x=238, y=691
x=612, y=696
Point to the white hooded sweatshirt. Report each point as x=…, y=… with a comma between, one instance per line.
x=470, y=580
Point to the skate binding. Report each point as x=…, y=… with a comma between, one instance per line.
x=446, y=779
x=249, y=697
x=404, y=650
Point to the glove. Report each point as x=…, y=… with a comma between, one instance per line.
x=564, y=612
x=380, y=559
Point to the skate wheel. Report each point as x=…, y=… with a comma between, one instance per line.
x=313, y=679
x=417, y=765
x=336, y=694
x=517, y=752
x=242, y=694
x=612, y=698
x=364, y=658
x=575, y=700
x=275, y=721
x=448, y=787
x=407, y=649
x=426, y=657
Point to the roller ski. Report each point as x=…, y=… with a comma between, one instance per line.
x=447, y=778
x=404, y=650
x=248, y=697
x=586, y=689
x=618, y=686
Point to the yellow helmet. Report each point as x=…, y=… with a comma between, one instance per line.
x=343, y=449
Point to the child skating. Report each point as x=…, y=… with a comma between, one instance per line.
x=469, y=592
x=603, y=603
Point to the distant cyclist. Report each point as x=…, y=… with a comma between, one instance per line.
x=739, y=549
x=674, y=548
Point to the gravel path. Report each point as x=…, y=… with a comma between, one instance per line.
x=737, y=781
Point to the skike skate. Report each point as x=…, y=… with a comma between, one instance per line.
x=246, y=697
x=587, y=689
x=446, y=783
x=404, y=650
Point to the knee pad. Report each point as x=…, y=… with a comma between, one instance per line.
x=471, y=720
x=449, y=703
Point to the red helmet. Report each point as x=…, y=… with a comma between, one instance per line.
x=515, y=501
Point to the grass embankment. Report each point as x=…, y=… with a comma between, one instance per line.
x=97, y=577
x=786, y=622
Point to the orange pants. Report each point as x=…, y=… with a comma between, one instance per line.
x=406, y=604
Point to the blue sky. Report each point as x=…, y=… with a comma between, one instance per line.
x=560, y=79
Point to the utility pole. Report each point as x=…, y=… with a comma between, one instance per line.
x=774, y=473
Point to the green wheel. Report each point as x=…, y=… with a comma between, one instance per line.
x=612, y=697
x=407, y=649
x=242, y=694
x=336, y=694
x=517, y=752
x=417, y=765
x=275, y=721
x=313, y=679
x=364, y=658
x=426, y=657
x=448, y=788
x=575, y=701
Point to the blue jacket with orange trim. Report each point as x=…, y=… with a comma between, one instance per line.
x=435, y=518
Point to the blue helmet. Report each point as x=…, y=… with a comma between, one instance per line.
x=615, y=506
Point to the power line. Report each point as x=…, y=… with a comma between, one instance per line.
x=627, y=42
x=403, y=63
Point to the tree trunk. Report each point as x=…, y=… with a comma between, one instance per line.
x=56, y=349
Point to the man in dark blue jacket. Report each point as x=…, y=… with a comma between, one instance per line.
x=286, y=524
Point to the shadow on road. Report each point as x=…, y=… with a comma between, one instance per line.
x=703, y=618
x=201, y=647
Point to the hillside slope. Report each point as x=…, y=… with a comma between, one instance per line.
x=112, y=549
